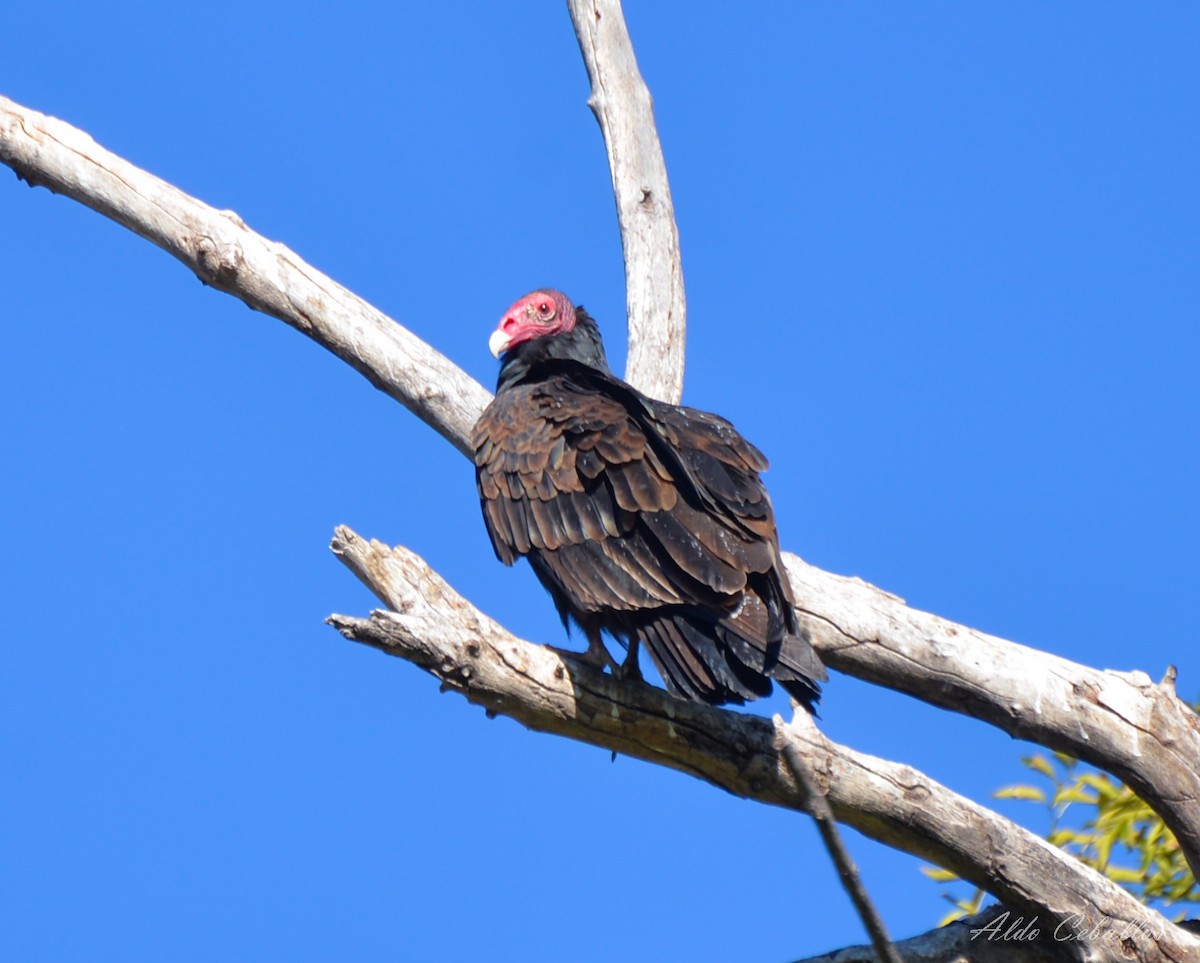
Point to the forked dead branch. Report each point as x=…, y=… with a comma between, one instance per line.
x=1121, y=722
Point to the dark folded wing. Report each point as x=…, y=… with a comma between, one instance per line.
x=629, y=508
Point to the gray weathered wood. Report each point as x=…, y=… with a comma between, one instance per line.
x=1123, y=722
x=436, y=628
x=226, y=254
x=653, y=269
x=1119, y=722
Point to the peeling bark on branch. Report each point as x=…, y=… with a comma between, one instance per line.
x=653, y=270
x=436, y=628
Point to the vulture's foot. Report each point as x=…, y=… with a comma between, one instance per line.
x=596, y=655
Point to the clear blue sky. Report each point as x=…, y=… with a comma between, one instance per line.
x=941, y=263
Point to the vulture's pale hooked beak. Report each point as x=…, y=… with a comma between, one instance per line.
x=498, y=343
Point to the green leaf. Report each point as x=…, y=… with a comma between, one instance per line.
x=1030, y=793
x=1073, y=794
x=1119, y=874
x=1040, y=764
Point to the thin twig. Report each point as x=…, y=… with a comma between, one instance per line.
x=818, y=808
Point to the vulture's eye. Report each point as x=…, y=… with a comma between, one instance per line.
x=546, y=310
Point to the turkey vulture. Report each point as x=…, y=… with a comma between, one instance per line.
x=643, y=519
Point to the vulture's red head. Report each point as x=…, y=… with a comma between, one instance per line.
x=537, y=315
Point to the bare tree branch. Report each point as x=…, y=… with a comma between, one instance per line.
x=436, y=628
x=219, y=248
x=653, y=272
x=818, y=806
x=1120, y=722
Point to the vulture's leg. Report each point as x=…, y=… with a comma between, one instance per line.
x=630, y=671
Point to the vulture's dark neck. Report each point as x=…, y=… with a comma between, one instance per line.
x=535, y=359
